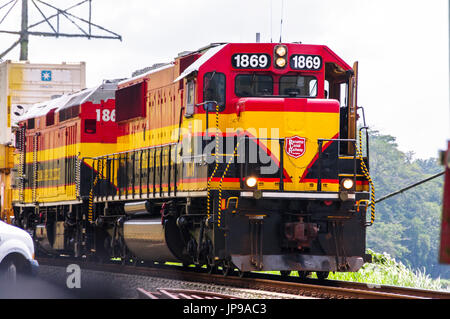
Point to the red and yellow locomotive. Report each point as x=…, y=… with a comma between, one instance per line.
x=235, y=155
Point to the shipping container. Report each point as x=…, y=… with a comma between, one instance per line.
x=6, y=165
x=23, y=84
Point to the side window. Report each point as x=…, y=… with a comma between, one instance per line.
x=131, y=102
x=313, y=87
x=90, y=126
x=343, y=93
x=214, y=90
x=30, y=124
x=190, y=98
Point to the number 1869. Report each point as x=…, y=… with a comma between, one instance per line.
x=306, y=62
x=106, y=115
x=250, y=61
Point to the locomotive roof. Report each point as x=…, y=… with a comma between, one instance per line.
x=200, y=61
x=42, y=108
x=94, y=95
x=215, y=48
x=150, y=71
x=207, y=53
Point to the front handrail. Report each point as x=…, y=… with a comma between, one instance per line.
x=320, y=151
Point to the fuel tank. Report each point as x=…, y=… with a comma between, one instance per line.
x=147, y=239
x=134, y=208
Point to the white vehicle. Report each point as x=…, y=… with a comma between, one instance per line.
x=16, y=253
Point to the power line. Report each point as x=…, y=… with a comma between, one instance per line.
x=84, y=26
x=409, y=187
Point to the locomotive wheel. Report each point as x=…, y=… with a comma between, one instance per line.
x=242, y=274
x=211, y=269
x=302, y=274
x=187, y=266
x=211, y=265
x=322, y=275
x=227, y=268
x=285, y=273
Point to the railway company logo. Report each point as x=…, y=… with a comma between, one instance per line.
x=295, y=146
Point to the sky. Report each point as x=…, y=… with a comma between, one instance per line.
x=402, y=47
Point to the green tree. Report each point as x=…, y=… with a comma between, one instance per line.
x=407, y=226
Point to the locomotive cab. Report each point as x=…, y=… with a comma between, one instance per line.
x=283, y=119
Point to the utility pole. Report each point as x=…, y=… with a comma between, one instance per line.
x=86, y=28
x=24, y=32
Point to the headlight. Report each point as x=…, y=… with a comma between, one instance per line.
x=281, y=62
x=251, y=182
x=347, y=183
x=281, y=51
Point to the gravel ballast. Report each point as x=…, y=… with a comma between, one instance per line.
x=54, y=282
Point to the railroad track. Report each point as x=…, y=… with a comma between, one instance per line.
x=170, y=293
x=327, y=289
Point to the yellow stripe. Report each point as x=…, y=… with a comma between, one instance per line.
x=84, y=149
x=48, y=194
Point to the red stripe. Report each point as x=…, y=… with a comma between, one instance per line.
x=314, y=180
x=232, y=179
x=288, y=105
x=323, y=180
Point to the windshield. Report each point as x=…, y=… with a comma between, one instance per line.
x=253, y=85
x=257, y=85
x=298, y=85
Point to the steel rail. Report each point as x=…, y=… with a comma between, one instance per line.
x=327, y=289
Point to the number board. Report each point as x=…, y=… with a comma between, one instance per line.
x=305, y=62
x=250, y=61
x=106, y=115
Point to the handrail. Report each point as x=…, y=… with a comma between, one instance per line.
x=134, y=160
x=133, y=150
x=320, y=144
x=365, y=170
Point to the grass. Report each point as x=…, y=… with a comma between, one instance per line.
x=385, y=270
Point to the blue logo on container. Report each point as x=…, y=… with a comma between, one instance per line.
x=46, y=75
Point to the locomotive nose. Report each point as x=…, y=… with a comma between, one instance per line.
x=290, y=129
